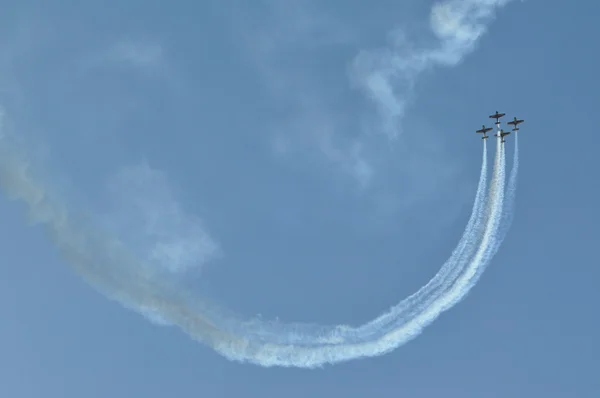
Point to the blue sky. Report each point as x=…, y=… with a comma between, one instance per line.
x=261, y=162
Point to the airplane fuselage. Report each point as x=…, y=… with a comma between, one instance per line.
x=515, y=122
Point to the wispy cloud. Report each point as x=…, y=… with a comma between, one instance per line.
x=146, y=213
x=385, y=76
x=21, y=39
x=316, y=130
x=140, y=55
x=287, y=38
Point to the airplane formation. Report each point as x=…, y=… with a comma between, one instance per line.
x=501, y=133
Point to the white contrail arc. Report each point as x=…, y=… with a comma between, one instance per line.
x=268, y=354
x=108, y=266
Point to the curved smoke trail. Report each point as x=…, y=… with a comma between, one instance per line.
x=511, y=195
x=295, y=333
x=507, y=212
x=405, y=327
x=108, y=266
x=494, y=214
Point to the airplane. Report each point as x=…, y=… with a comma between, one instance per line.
x=484, y=130
x=497, y=116
x=502, y=134
x=515, y=123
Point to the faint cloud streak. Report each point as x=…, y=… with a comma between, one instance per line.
x=137, y=54
x=143, y=56
x=387, y=76
x=146, y=213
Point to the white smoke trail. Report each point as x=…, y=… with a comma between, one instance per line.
x=107, y=265
x=268, y=354
x=507, y=212
x=296, y=333
x=511, y=195
x=494, y=216
x=452, y=267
